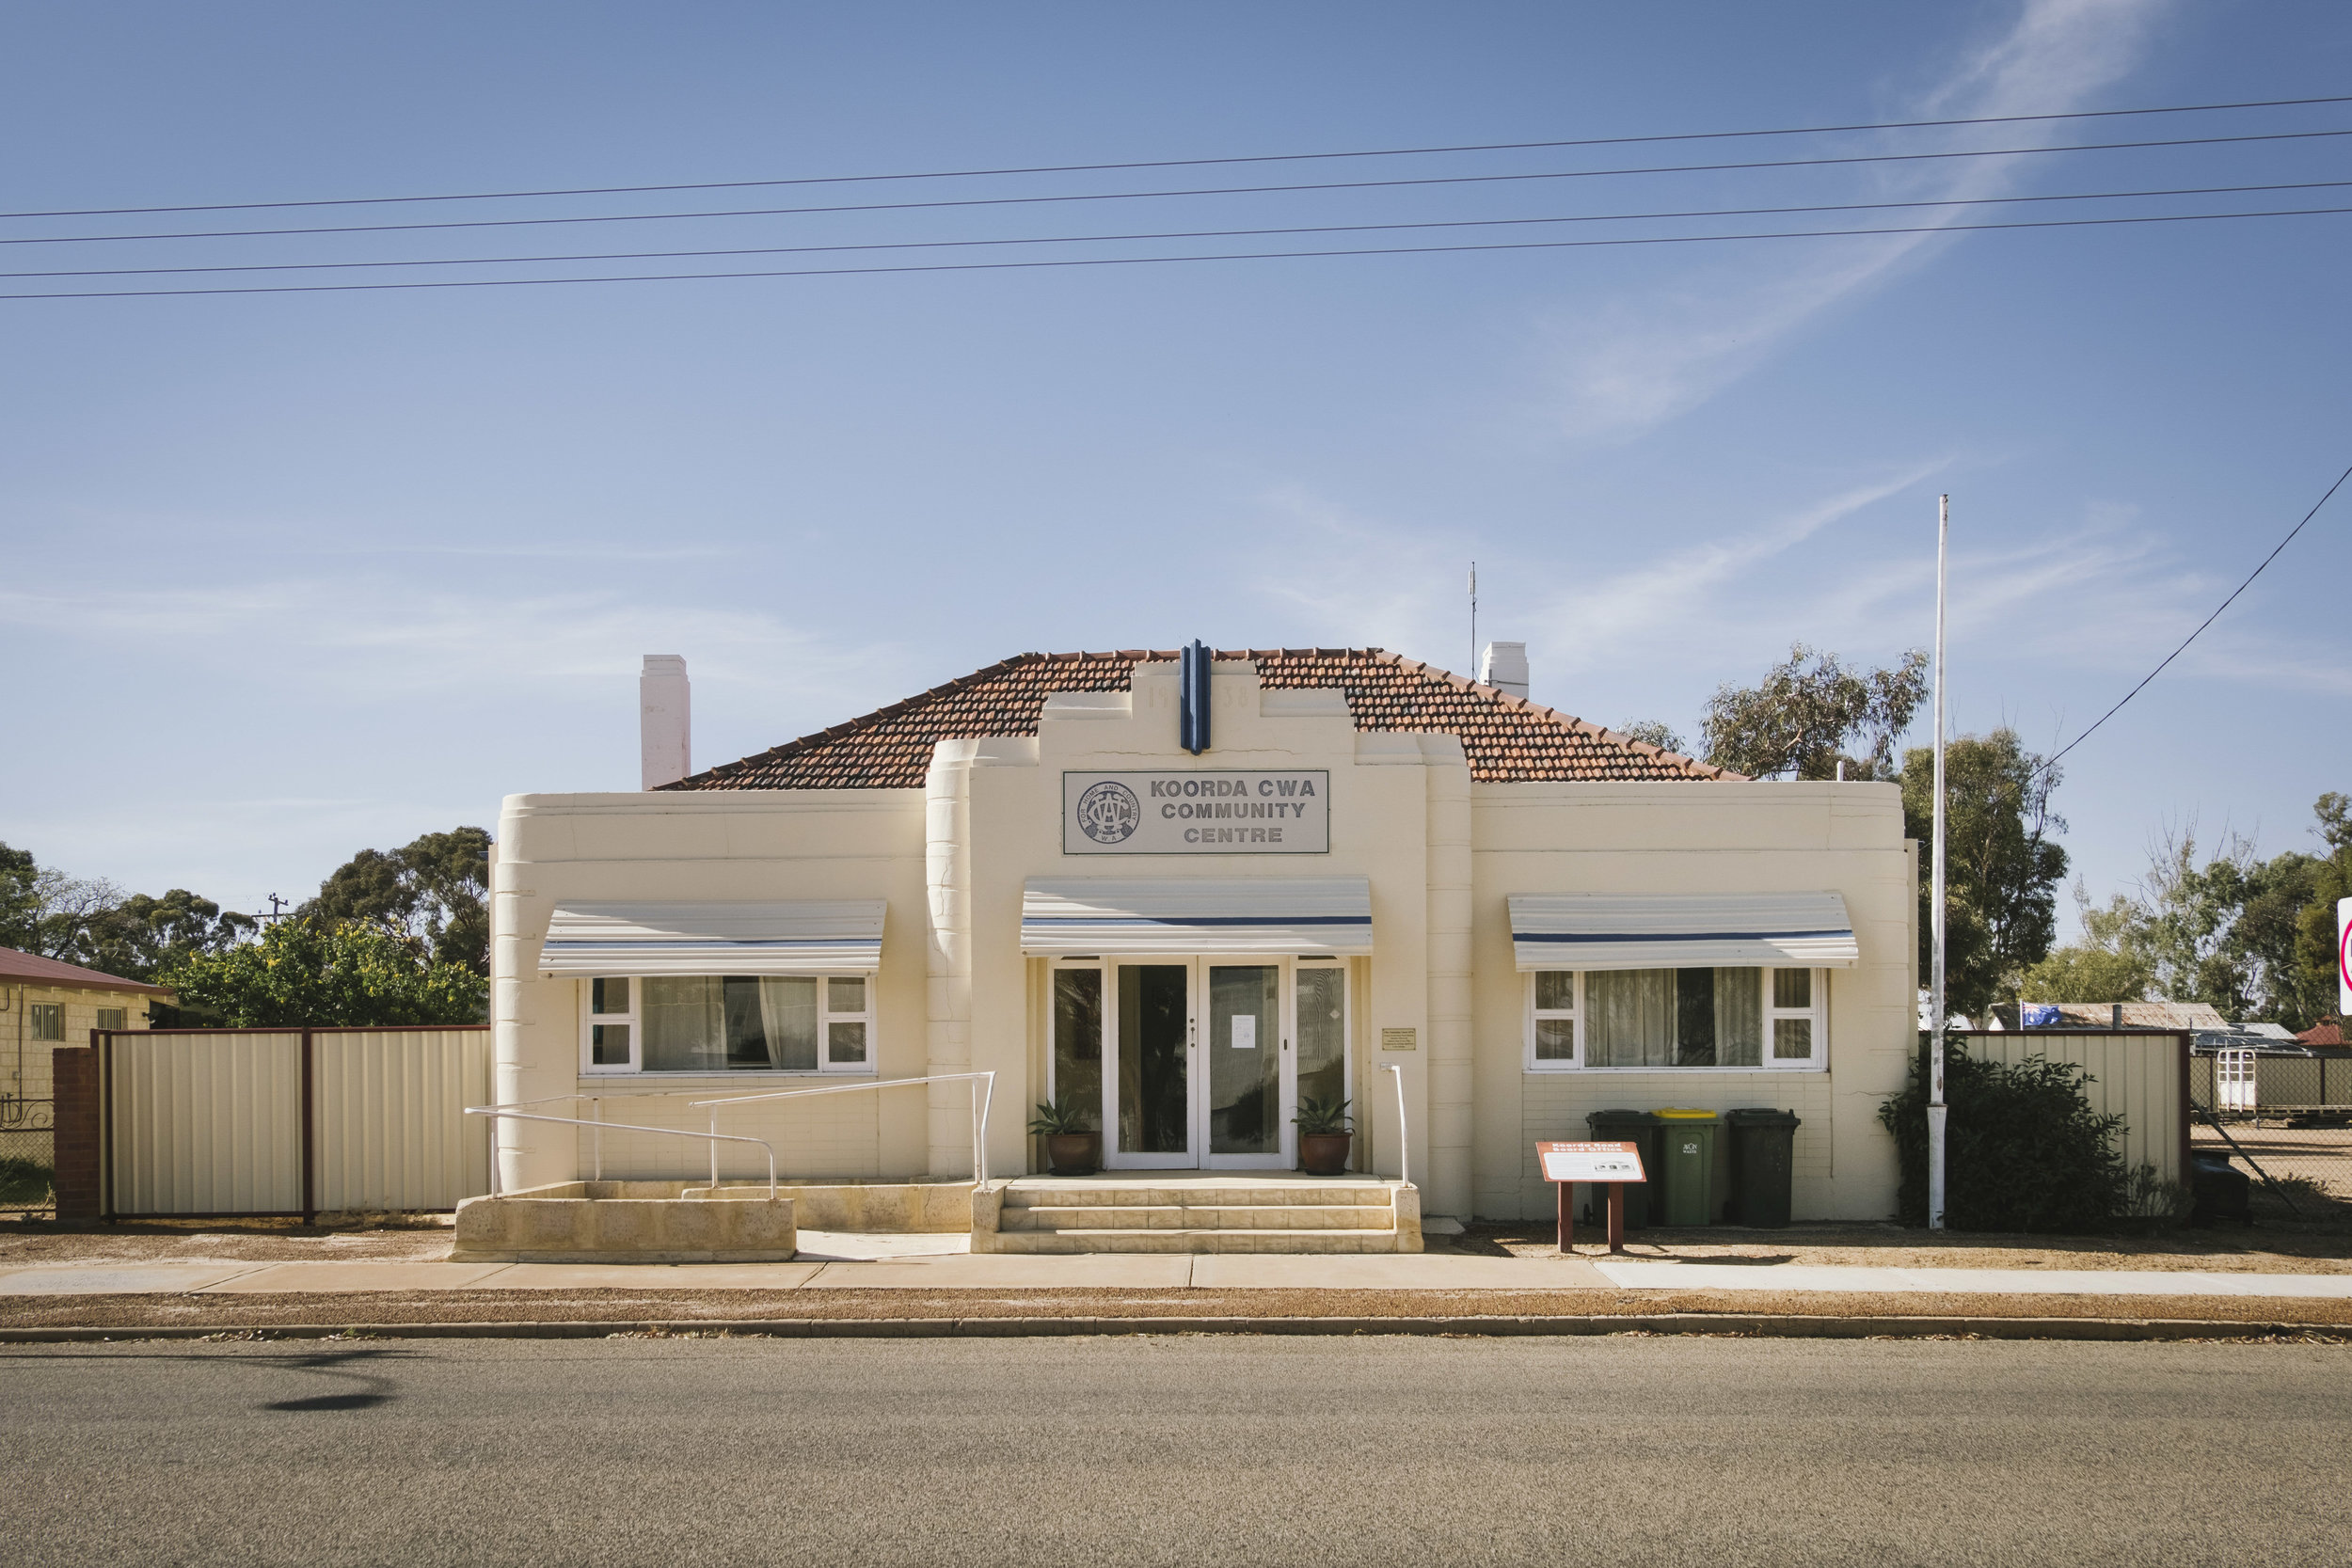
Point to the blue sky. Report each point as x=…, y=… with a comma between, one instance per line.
x=282, y=575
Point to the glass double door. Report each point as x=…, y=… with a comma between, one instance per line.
x=1200, y=1062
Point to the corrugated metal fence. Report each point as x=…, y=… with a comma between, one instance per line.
x=2140, y=1074
x=292, y=1122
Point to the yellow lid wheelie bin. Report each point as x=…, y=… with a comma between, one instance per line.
x=1685, y=1165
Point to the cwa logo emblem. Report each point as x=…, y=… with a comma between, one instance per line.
x=1109, y=812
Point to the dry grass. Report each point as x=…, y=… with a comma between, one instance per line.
x=2260, y=1250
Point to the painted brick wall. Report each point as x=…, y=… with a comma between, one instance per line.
x=837, y=1135
x=73, y=1073
x=1552, y=1107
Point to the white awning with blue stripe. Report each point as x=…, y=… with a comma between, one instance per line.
x=1672, y=930
x=814, y=937
x=1258, y=914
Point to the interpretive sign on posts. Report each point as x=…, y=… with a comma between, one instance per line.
x=1591, y=1162
x=1610, y=1165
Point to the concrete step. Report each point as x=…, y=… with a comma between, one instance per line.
x=1065, y=1241
x=1203, y=1195
x=1194, y=1216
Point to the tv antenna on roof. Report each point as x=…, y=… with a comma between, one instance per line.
x=1474, y=597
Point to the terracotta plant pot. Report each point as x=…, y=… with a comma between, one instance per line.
x=1322, y=1153
x=1074, y=1153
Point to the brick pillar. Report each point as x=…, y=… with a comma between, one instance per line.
x=74, y=1079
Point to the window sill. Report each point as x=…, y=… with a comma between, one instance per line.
x=1679, y=1072
x=706, y=1080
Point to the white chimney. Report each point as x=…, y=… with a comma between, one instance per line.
x=1504, y=665
x=663, y=706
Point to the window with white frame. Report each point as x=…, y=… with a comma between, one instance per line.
x=1735, y=1018
x=728, y=1023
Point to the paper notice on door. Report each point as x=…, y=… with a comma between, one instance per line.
x=1245, y=1032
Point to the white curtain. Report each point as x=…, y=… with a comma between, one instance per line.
x=1740, y=1018
x=685, y=1022
x=787, y=1014
x=1629, y=1018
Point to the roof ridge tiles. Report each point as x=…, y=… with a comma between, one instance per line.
x=1507, y=737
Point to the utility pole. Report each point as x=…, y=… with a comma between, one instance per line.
x=1474, y=592
x=1935, y=974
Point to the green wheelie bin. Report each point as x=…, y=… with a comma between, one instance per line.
x=1687, y=1164
x=1763, y=1160
x=1640, y=1128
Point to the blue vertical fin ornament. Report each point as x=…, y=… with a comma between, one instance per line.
x=1192, y=704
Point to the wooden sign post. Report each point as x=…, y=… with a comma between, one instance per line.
x=1601, y=1164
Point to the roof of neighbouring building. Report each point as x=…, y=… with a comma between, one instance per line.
x=1507, y=739
x=2326, y=1032
x=31, y=969
x=2145, y=1015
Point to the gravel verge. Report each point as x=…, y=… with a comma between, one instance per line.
x=133, y=1312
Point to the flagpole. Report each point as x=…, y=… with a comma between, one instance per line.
x=1935, y=905
x=1474, y=673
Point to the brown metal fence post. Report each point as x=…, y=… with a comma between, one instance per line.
x=105, y=1124
x=2188, y=1116
x=310, y=1136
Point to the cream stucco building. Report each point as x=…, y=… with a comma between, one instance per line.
x=1183, y=894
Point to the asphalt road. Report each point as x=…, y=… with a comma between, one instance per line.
x=1273, y=1451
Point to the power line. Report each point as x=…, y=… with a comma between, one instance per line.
x=1179, y=163
x=1157, y=195
x=1144, y=261
x=1175, y=234
x=2208, y=621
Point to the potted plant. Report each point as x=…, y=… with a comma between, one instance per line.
x=1322, y=1135
x=1073, y=1146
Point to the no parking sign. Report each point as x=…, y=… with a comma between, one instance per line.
x=2343, y=957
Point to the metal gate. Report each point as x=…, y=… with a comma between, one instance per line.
x=28, y=1159
x=2233, y=1081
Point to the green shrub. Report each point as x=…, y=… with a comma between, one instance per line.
x=2149, y=1205
x=24, y=1183
x=306, y=971
x=2024, y=1150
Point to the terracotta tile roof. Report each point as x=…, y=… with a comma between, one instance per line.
x=2329, y=1032
x=1508, y=739
x=2143, y=1015
x=31, y=969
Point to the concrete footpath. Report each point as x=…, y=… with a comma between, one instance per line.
x=872, y=1263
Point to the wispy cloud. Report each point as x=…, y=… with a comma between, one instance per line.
x=1625, y=366
x=394, y=639
x=1360, y=581
x=2107, y=597
x=566, y=551
x=1683, y=591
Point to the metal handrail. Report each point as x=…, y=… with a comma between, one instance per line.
x=983, y=1096
x=1403, y=1139
x=595, y=1145
x=494, y=1112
